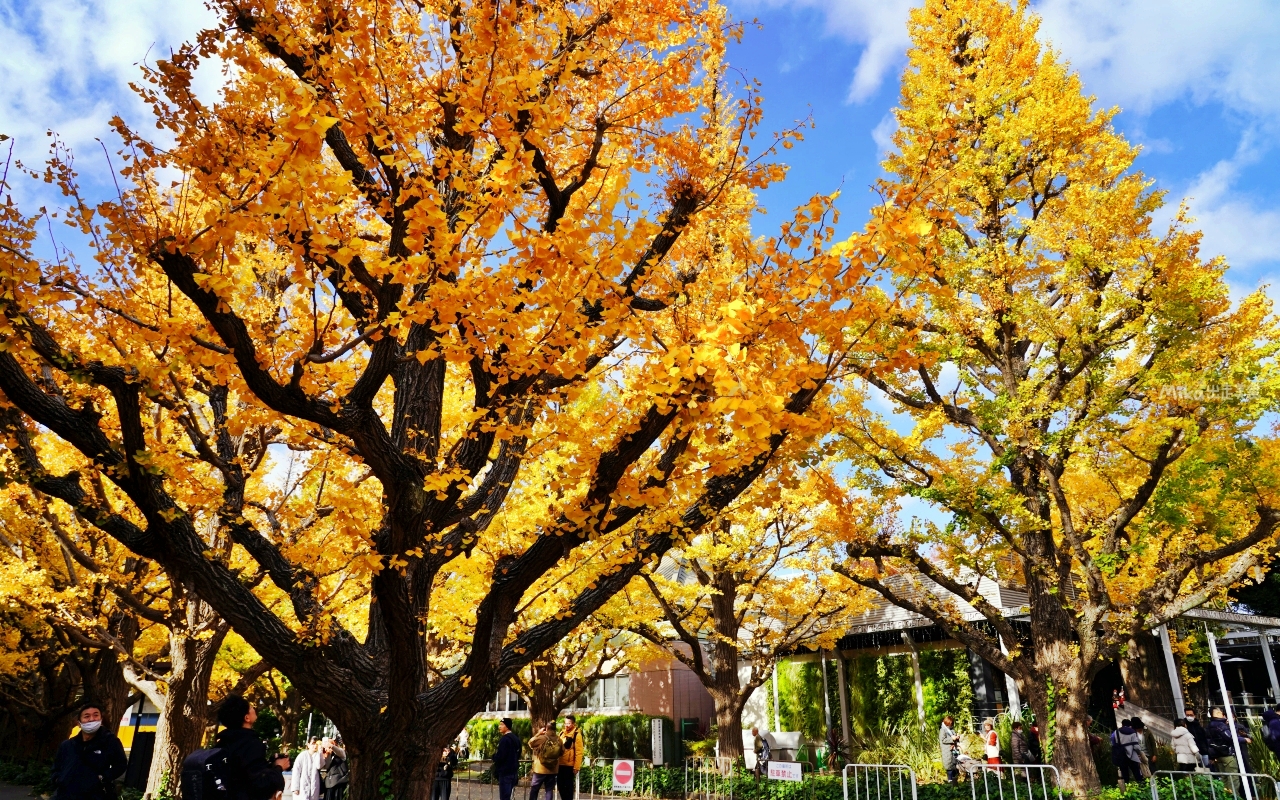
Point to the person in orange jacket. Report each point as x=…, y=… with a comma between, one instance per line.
x=571, y=759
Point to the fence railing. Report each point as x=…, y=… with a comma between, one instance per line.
x=1213, y=785
x=1016, y=782
x=878, y=782
x=708, y=778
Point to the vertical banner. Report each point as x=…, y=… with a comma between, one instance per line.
x=655, y=740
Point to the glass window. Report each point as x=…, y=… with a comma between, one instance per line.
x=610, y=693
x=624, y=691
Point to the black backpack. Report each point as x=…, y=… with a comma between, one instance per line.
x=206, y=775
x=1220, y=744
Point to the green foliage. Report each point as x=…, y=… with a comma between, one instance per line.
x=28, y=772
x=603, y=735
x=483, y=736
x=907, y=745
x=1263, y=760
x=948, y=688
x=624, y=736
x=800, y=698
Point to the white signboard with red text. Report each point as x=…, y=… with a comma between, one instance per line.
x=624, y=775
x=785, y=771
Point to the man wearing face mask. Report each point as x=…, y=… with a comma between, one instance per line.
x=1198, y=733
x=88, y=763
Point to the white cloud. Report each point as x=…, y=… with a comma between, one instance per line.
x=1136, y=53
x=880, y=26
x=1144, y=53
x=882, y=133
x=1233, y=226
x=65, y=66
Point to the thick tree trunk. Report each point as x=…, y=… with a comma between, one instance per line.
x=729, y=723
x=185, y=715
x=105, y=683
x=1146, y=679
x=543, y=694
x=1072, y=754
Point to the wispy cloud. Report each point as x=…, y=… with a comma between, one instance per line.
x=1233, y=225
x=65, y=65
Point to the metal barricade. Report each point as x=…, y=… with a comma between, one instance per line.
x=708, y=778
x=1212, y=785
x=473, y=780
x=879, y=782
x=1016, y=782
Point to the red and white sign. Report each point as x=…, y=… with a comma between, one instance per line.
x=785, y=771
x=624, y=775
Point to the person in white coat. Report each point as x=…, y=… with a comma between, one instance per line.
x=306, y=773
x=1184, y=744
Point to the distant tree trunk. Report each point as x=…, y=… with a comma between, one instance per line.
x=185, y=714
x=543, y=696
x=106, y=684
x=1146, y=679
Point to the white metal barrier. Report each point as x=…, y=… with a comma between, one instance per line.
x=1213, y=785
x=879, y=782
x=708, y=778
x=1016, y=782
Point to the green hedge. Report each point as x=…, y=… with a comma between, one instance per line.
x=34, y=772
x=604, y=736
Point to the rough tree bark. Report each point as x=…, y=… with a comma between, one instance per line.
x=184, y=716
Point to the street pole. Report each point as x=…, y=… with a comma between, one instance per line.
x=1231, y=717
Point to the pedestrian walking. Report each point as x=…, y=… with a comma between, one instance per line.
x=991, y=742
x=1201, y=737
x=1019, y=747
x=1033, y=744
x=444, y=775
x=252, y=776
x=335, y=769
x=506, y=761
x=547, y=749
x=87, y=765
x=1144, y=760
x=570, y=759
x=1124, y=755
x=1222, y=749
x=949, y=745
x=306, y=772
x=1271, y=729
x=760, y=747
x=1185, y=749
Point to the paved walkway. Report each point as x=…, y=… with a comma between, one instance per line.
x=10, y=792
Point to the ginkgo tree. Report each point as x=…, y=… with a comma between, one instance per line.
x=76, y=608
x=745, y=592
x=1085, y=417
x=423, y=245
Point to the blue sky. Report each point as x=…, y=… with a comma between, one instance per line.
x=1199, y=82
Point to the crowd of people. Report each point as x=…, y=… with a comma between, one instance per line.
x=237, y=768
x=1216, y=747
x=1024, y=745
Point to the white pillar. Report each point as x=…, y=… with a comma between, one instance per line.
x=1171, y=665
x=1231, y=717
x=826, y=697
x=843, y=688
x=918, y=677
x=777, y=715
x=1265, y=641
x=1011, y=686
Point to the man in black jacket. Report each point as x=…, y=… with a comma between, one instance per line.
x=88, y=763
x=506, y=762
x=253, y=777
